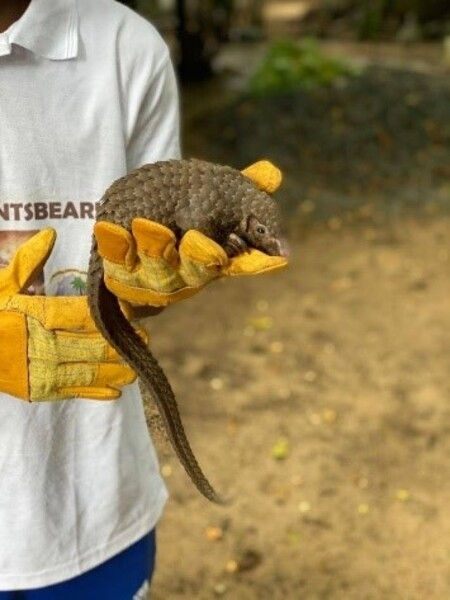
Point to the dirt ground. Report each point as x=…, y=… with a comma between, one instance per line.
x=340, y=367
x=318, y=400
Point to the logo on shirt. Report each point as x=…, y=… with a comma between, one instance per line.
x=41, y=211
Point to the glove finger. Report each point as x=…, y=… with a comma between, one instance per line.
x=147, y=297
x=74, y=347
x=27, y=262
x=97, y=375
x=266, y=176
x=53, y=312
x=197, y=247
x=85, y=347
x=254, y=262
x=202, y=259
x=65, y=347
x=155, y=240
x=100, y=393
x=65, y=314
x=113, y=375
x=116, y=244
x=46, y=380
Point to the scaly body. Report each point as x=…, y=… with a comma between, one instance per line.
x=180, y=194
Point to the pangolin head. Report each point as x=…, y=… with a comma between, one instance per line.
x=261, y=220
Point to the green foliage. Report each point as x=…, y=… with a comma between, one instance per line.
x=371, y=21
x=377, y=17
x=290, y=65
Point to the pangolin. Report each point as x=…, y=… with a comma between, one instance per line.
x=219, y=201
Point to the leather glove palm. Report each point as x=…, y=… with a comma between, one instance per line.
x=49, y=346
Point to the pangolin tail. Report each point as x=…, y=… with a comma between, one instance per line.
x=120, y=334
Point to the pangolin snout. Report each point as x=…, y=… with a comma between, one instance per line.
x=280, y=247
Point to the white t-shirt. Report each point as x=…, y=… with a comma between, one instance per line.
x=87, y=92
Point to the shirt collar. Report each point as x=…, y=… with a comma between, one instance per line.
x=48, y=28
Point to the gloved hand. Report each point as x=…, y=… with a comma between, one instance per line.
x=49, y=346
x=144, y=267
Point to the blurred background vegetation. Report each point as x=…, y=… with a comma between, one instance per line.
x=349, y=97
x=199, y=27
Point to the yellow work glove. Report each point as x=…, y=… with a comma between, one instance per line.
x=49, y=346
x=146, y=268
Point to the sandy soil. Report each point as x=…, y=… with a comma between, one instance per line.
x=317, y=399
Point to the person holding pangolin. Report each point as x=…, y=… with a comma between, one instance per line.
x=87, y=94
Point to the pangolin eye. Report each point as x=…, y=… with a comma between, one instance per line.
x=261, y=229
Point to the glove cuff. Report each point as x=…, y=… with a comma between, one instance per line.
x=13, y=355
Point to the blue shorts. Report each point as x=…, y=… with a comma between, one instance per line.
x=124, y=577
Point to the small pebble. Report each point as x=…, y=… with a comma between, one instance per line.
x=214, y=534
x=402, y=495
x=281, y=449
x=310, y=376
x=284, y=393
x=329, y=416
x=216, y=383
x=276, y=347
x=363, y=509
x=304, y=507
x=362, y=482
x=220, y=589
x=315, y=419
x=261, y=323
x=297, y=480
x=232, y=566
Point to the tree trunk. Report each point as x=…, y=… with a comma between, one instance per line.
x=194, y=64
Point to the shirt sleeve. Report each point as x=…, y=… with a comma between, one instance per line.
x=153, y=131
